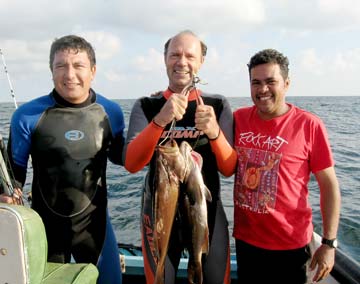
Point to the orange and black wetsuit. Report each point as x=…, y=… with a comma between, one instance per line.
x=143, y=136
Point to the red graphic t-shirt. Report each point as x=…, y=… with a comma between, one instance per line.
x=275, y=159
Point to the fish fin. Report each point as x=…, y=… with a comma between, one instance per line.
x=207, y=194
x=205, y=245
x=197, y=158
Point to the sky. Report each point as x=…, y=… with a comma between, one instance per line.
x=321, y=38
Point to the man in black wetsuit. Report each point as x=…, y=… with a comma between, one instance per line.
x=208, y=128
x=69, y=134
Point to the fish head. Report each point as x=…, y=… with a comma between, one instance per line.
x=190, y=155
x=172, y=157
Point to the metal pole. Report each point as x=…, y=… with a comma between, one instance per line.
x=8, y=77
x=5, y=178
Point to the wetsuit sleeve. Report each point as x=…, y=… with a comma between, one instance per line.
x=18, y=171
x=142, y=138
x=140, y=150
x=226, y=122
x=117, y=124
x=226, y=156
x=222, y=146
x=116, y=149
x=23, y=123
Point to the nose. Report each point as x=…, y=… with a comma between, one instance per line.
x=182, y=60
x=263, y=88
x=69, y=72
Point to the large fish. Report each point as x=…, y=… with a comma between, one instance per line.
x=195, y=211
x=170, y=171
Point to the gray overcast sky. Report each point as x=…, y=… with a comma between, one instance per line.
x=320, y=37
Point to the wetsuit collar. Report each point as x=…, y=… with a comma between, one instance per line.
x=194, y=93
x=62, y=102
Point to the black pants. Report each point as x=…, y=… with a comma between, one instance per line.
x=256, y=265
x=81, y=236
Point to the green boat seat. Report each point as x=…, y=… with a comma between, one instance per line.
x=23, y=252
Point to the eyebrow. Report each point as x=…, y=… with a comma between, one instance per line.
x=266, y=79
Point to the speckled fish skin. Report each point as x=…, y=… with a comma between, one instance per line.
x=195, y=211
x=170, y=171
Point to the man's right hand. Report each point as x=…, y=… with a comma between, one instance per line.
x=16, y=198
x=174, y=108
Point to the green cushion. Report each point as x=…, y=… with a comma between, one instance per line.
x=35, y=243
x=23, y=241
x=24, y=232
x=70, y=273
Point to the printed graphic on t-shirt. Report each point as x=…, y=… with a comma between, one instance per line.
x=256, y=180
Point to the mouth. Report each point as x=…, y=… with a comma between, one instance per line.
x=70, y=85
x=264, y=98
x=181, y=72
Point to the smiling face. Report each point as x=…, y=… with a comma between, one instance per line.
x=72, y=75
x=268, y=90
x=182, y=60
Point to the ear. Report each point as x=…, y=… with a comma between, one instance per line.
x=93, y=72
x=287, y=83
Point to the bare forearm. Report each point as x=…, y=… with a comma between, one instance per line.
x=330, y=202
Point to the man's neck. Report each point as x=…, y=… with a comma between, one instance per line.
x=61, y=101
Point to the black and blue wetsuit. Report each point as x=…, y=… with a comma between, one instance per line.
x=69, y=146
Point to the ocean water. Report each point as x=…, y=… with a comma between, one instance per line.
x=340, y=115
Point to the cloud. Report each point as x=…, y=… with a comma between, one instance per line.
x=25, y=57
x=348, y=61
x=313, y=15
x=106, y=45
x=331, y=64
x=340, y=8
x=311, y=62
x=175, y=15
x=114, y=76
x=153, y=61
x=319, y=37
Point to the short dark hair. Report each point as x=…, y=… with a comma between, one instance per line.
x=71, y=42
x=203, y=45
x=270, y=56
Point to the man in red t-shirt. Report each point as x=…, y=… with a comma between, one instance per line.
x=278, y=146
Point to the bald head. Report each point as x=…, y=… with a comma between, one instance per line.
x=186, y=33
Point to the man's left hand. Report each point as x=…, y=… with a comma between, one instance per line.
x=205, y=120
x=324, y=259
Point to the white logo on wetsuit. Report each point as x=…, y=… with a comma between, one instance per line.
x=74, y=135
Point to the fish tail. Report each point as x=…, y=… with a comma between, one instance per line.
x=159, y=275
x=195, y=275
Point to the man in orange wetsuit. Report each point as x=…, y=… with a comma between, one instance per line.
x=209, y=129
